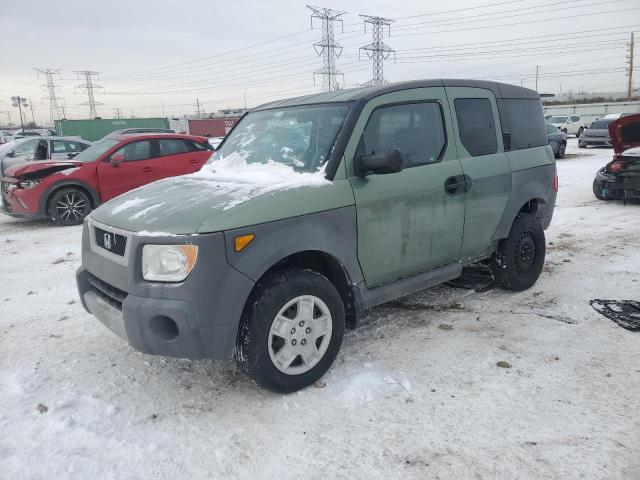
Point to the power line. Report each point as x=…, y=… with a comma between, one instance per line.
x=377, y=50
x=327, y=47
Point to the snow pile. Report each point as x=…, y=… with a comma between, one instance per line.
x=242, y=181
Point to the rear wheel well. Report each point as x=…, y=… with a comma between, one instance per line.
x=328, y=266
x=82, y=188
x=530, y=207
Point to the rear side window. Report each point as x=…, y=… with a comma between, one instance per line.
x=75, y=147
x=416, y=130
x=58, y=146
x=476, y=125
x=523, y=120
x=551, y=129
x=201, y=146
x=171, y=146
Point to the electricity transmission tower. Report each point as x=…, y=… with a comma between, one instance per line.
x=51, y=88
x=629, y=63
x=199, y=109
x=89, y=87
x=327, y=47
x=377, y=50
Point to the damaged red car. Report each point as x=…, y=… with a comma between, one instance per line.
x=67, y=191
x=620, y=178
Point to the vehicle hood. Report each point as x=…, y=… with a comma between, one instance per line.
x=625, y=133
x=39, y=168
x=206, y=203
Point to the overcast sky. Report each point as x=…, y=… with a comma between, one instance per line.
x=171, y=53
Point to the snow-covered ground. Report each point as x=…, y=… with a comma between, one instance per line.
x=415, y=392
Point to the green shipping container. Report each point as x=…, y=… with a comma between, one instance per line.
x=93, y=130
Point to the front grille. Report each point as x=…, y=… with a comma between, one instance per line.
x=110, y=294
x=5, y=187
x=111, y=242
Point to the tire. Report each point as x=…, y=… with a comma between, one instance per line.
x=561, y=149
x=580, y=130
x=272, y=348
x=518, y=261
x=564, y=130
x=581, y=145
x=69, y=206
x=598, y=189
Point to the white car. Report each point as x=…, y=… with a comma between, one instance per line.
x=569, y=124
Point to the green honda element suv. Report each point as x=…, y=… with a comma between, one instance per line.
x=316, y=208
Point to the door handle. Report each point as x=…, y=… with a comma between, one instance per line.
x=454, y=185
x=194, y=161
x=147, y=169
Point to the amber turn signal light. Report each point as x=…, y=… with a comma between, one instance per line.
x=242, y=241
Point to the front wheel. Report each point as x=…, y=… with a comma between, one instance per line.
x=291, y=330
x=580, y=130
x=518, y=261
x=561, y=150
x=69, y=206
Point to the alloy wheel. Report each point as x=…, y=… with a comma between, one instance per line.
x=300, y=335
x=71, y=207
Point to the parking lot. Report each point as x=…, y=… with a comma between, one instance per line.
x=416, y=391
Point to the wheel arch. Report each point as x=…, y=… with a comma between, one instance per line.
x=52, y=189
x=323, y=263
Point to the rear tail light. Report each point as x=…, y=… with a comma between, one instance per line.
x=555, y=182
x=617, y=166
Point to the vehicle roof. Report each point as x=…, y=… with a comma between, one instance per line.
x=151, y=135
x=500, y=90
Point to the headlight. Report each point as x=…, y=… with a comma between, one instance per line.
x=168, y=263
x=29, y=183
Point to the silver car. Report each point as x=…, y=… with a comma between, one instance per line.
x=39, y=148
x=597, y=135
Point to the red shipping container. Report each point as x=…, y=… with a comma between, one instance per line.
x=213, y=127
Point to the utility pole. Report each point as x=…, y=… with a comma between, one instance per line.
x=51, y=88
x=89, y=88
x=629, y=63
x=64, y=114
x=244, y=95
x=162, y=104
x=33, y=117
x=327, y=47
x=198, y=111
x=19, y=102
x=377, y=50
x=537, y=69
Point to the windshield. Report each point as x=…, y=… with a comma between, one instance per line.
x=558, y=119
x=96, y=150
x=299, y=137
x=601, y=124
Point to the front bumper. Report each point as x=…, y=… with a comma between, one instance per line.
x=197, y=318
x=595, y=142
x=18, y=202
x=620, y=186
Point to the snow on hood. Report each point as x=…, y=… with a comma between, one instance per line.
x=242, y=181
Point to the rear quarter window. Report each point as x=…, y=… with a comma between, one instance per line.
x=523, y=120
x=476, y=125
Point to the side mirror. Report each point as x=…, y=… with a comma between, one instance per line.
x=71, y=155
x=117, y=159
x=390, y=161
